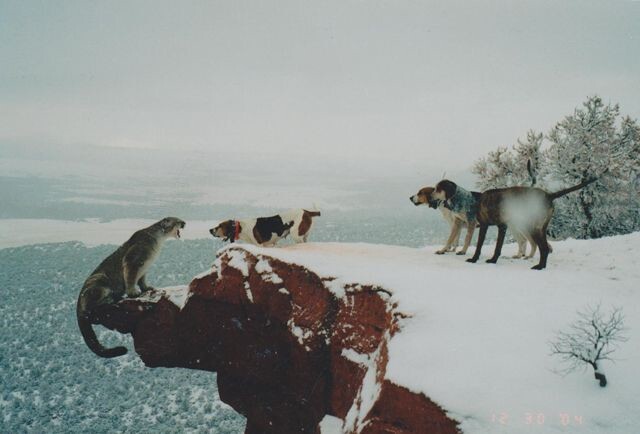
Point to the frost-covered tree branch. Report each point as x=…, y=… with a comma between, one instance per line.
x=506, y=167
x=593, y=141
x=591, y=339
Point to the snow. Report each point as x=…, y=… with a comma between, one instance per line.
x=477, y=341
x=368, y=394
x=238, y=260
x=331, y=425
x=91, y=232
x=302, y=334
x=177, y=295
x=264, y=269
x=247, y=290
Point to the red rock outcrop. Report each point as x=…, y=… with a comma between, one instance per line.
x=288, y=346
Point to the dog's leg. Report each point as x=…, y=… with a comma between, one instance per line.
x=481, y=235
x=533, y=246
x=456, y=237
x=471, y=227
x=454, y=230
x=502, y=230
x=522, y=243
x=540, y=237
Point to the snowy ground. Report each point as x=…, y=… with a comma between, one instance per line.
x=477, y=341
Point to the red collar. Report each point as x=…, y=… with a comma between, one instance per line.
x=236, y=231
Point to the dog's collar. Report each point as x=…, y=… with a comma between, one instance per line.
x=434, y=203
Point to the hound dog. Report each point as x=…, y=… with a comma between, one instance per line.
x=463, y=205
x=267, y=231
x=456, y=219
x=528, y=209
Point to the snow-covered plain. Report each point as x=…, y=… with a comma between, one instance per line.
x=477, y=341
x=90, y=232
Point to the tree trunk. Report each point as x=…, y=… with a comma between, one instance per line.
x=588, y=214
x=599, y=375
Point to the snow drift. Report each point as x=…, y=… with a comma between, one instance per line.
x=361, y=338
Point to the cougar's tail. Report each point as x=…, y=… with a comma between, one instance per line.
x=91, y=339
x=561, y=193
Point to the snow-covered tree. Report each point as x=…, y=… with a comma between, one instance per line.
x=590, y=340
x=594, y=141
x=589, y=144
x=495, y=169
x=506, y=167
x=528, y=155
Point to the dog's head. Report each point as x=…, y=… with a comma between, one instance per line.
x=225, y=230
x=444, y=190
x=425, y=197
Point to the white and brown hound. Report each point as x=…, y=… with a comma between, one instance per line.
x=455, y=220
x=267, y=231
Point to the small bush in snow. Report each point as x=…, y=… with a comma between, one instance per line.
x=590, y=339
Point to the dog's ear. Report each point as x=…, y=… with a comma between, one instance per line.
x=448, y=187
x=231, y=230
x=227, y=227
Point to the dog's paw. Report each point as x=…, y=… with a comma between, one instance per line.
x=461, y=253
x=440, y=252
x=537, y=267
x=472, y=260
x=491, y=260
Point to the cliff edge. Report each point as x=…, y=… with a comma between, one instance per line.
x=290, y=347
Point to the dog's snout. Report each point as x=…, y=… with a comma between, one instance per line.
x=211, y=232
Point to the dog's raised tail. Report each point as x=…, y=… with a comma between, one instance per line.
x=531, y=174
x=91, y=339
x=561, y=193
x=313, y=213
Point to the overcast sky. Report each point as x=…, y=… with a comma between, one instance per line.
x=442, y=82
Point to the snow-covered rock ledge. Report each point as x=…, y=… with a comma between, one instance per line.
x=369, y=338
